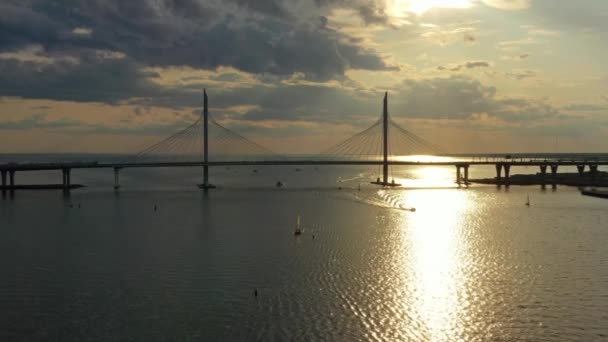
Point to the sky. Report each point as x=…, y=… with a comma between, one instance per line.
x=297, y=76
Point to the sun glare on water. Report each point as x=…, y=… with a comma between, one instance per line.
x=398, y=7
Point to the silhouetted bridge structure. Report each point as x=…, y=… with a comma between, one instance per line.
x=462, y=167
x=371, y=147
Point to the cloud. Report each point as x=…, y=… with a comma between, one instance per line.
x=43, y=121
x=521, y=74
x=585, y=107
x=543, y=32
x=512, y=45
x=91, y=79
x=449, y=36
x=82, y=31
x=203, y=35
x=467, y=65
x=455, y=97
x=469, y=38
x=38, y=120
x=508, y=4
x=516, y=58
x=572, y=16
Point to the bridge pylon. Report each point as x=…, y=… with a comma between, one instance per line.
x=384, y=181
x=206, y=185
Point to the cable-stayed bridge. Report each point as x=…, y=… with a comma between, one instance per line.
x=206, y=143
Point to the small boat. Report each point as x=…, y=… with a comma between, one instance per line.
x=298, y=230
x=528, y=201
x=280, y=184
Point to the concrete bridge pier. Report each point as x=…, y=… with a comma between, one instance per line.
x=543, y=175
x=460, y=176
x=593, y=169
x=116, y=178
x=554, y=175
x=507, y=173
x=581, y=169
x=3, y=180
x=67, y=175
x=498, y=173
x=11, y=176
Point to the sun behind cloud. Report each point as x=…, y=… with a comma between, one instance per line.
x=399, y=7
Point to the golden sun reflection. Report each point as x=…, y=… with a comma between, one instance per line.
x=436, y=255
x=427, y=176
x=423, y=159
x=432, y=177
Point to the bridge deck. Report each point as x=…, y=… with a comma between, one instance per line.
x=97, y=165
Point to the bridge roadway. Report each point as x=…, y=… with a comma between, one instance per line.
x=289, y=162
x=500, y=163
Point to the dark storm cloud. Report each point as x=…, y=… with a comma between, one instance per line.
x=253, y=36
x=91, y=80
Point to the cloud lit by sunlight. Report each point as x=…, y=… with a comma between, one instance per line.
x=398, y=8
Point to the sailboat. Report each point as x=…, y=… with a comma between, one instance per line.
x=298, y=230
x=528, y=201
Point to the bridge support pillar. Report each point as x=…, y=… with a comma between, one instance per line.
x=507, y=173
x=554, y=175
x=3, y=179
x=206, y=175
x=67, y=175
x=581, y=169
x=466, y=174
x=458, y=175
x=543, y=176
x=498, y=172
x=11, y=176
x=116, y=178
x=593, y=170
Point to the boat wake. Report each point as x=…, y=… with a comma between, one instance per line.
x=341, y=180
x=394, y=201
x=384, y=200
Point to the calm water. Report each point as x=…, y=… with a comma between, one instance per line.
x=470, y=264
